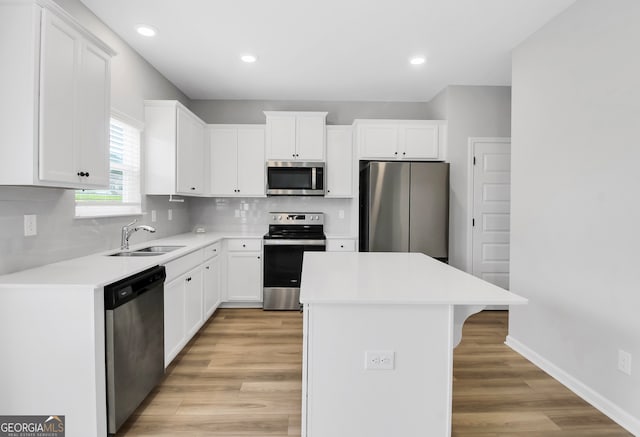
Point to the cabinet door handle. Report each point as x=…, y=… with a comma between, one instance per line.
x=83, y=174
x=342, y=246
x=395, y=153
x=189, y=279
x=207, y=267
x=404, y=153
x=193, y=188
x=258, y=257
x=244, y=245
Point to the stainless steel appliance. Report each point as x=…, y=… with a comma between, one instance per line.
x=287, y=178
x=290, y=235
x=134, y=322
x=404, y=207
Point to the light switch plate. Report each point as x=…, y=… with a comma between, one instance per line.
x=170, y=214
x=154, y=216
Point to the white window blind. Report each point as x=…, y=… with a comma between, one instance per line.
x=123, y=196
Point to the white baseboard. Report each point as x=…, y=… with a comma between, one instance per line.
x=608, y=408
x=240, y=305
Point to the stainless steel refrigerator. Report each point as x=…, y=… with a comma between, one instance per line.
x=404, y=207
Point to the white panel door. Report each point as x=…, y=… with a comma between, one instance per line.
x=251, y=162
x=281, y=137
x=190, y=154
x=94, y=116
x=244, y=273
x=491, y=211
x=223, y=147
x=339, y=168
x=174, y=334
x=193, y=310
x=378, y=141
x=310, y=137
x=59, y=75
x=211, y=286
x=419, y=142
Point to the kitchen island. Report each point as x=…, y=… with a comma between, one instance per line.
x=379, y=333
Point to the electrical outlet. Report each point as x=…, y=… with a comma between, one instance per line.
x=154, y=216
x=30, y=225
x=170, y=214
x=624, y=361
x=341, y=213
x=379, y=360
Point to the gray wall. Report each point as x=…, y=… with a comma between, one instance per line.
x=60, y=235
x=250, y=111
x=575, y=210
x=471, y=111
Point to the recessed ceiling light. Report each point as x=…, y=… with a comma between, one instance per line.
x=145, y=30
x=249, y=59
x=417, y=60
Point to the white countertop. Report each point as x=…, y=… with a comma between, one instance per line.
x=98, y=270
x=393, y=278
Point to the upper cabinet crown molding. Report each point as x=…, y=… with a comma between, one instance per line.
x=295, y=135
x=416, y=140
x=55, y=109
x=174, y=149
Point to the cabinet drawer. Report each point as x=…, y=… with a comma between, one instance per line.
x=212, y=250
x=341, y=245
x=244, y=244
x=178, y=266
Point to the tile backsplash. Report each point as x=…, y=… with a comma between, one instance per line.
x=61, y=236
x=251, y=215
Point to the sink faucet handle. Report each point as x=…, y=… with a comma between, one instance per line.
x=132, y=223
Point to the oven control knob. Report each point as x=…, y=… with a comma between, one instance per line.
x=317, y=217
x=311, y=218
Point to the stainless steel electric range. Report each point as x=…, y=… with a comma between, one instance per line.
x=290, y=235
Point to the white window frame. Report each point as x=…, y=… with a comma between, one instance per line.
x=105, y=208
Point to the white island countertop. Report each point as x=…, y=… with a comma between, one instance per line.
x=393, y=278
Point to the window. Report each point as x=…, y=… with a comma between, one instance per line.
x=123, y=195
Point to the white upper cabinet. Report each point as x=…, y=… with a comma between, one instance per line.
x=339, y=161
x=295, y=135
x=55, y=107
x=414, y=140
x=190, y=153
x=174, y=149
x=237, y=160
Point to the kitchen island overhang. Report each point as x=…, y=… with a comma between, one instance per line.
x=405, y=305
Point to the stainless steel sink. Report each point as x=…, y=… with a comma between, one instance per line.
x=148, y=251
x=136, y=253
x=161, y=249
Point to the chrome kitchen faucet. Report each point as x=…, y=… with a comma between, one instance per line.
x=127, y=230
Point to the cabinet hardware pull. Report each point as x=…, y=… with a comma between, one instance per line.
x=258, y=257
x=189, y=279
x=193, y=188
x=207, y=267
x=244, y=245
x=395, y=153
x=83, y=174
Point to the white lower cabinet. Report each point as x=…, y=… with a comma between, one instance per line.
x=174, y=333
x=211, y=280
x=183, y=302
x=193, y=313
x=341, y=245
x=244, y=270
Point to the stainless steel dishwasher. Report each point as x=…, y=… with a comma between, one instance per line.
x=134, y=319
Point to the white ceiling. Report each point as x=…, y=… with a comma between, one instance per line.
x=351, y=50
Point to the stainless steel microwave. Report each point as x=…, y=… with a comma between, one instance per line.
x=292, y=178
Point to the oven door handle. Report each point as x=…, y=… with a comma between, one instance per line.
x=295, y=242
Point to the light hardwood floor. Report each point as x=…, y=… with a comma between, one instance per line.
x=241, y=376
